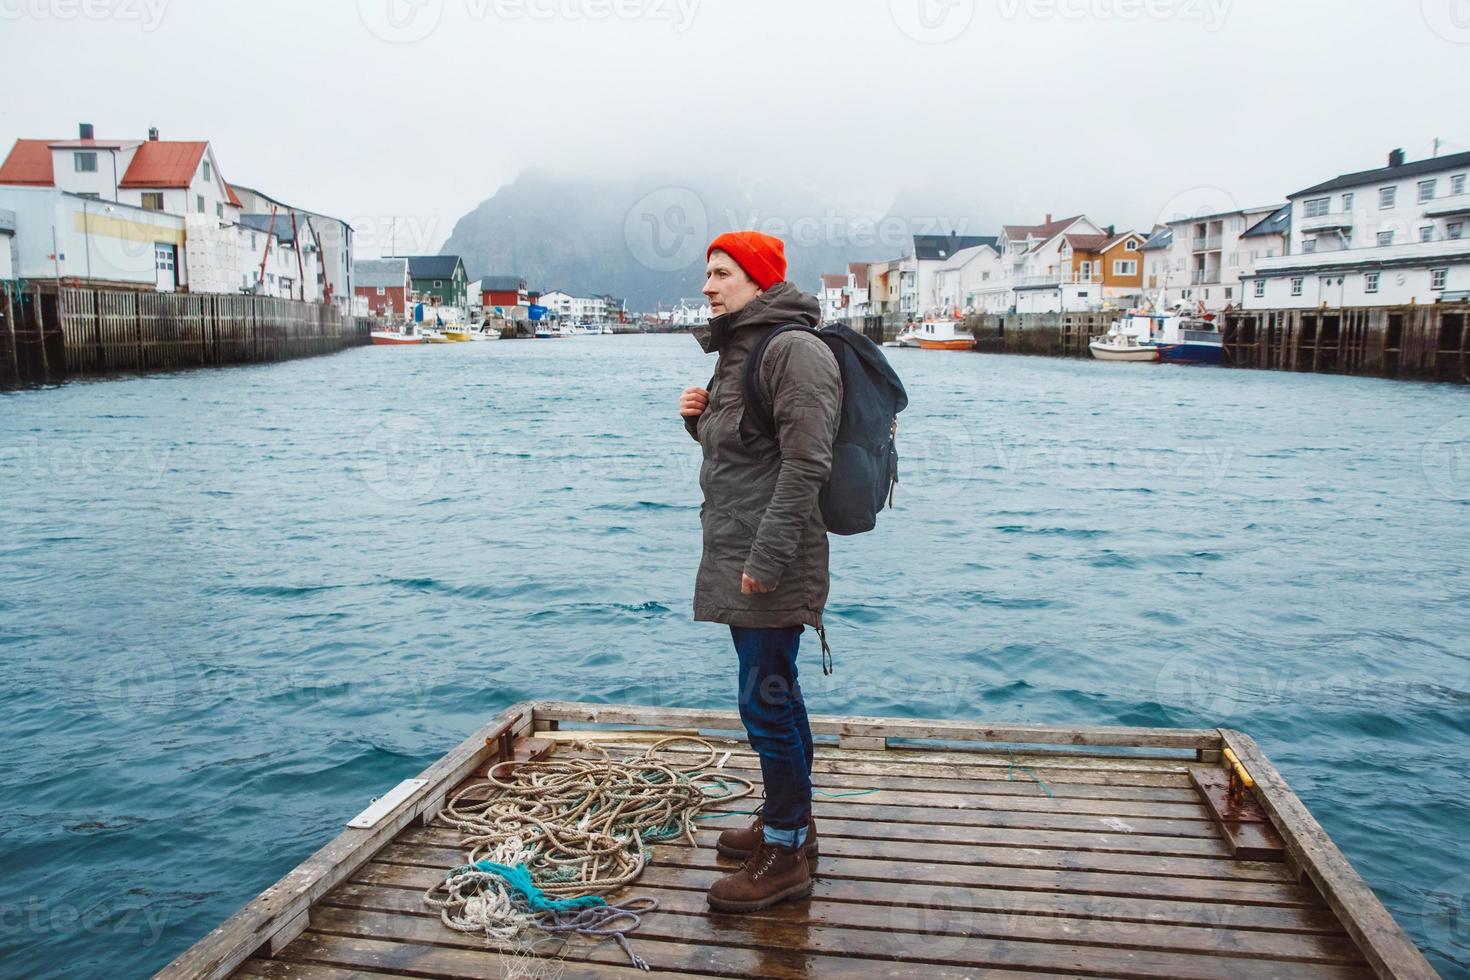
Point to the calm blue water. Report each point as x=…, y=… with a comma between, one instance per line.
x=235, y=605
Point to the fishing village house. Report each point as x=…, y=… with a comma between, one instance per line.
x=148, y=214
x=503, y=296
x=438, y=280
x=1203, y=259
x=883, y=286
x=1389, y=236
x=957, y=283
x=833, y=295
x=690, y=313
x=857, y=277
x=1034, y=272
x=930, y=254
x=383, y=285
x=1114, y=260
x=575, y=308
x=325, y=250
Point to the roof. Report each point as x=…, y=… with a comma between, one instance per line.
x=1277, y=222
x=1429, y=166
x=930, y=248
x=164, y=163
x=502, y=284
x=380, y=272
x=433, y=266
x=1087, y=243
x=1046, y=232
x=859, y=273
x=1162, y=238
x=1117, y=240
x=230, y=193
x=29, y=164
x=282, y=228
x=835, y=280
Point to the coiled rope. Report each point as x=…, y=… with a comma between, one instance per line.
x=546, y=839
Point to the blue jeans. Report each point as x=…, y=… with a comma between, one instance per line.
x=775, y=719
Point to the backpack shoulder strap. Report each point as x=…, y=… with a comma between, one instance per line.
x=750, y=389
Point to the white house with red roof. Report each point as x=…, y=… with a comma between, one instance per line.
x=833, y=295
x=1034, y=276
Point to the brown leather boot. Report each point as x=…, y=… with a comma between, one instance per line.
x=771, y=874
x=738, y=842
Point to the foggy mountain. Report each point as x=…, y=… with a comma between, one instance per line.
x=643, y=239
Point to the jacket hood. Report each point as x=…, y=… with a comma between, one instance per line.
x=783, y=303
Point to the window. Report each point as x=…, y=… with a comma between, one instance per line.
x=86, y=163
x=1370, y=282
x=1130, y=246
x=1260, y=288
x=382, y=291
x=90, y=195
x=1426, y=233
x=163, y=256
x=1316, y=207
x=219, y=211
x=252, y=241
x=1296, y=286
x=1229, y=292
x=1387, y=197
x=1437, y=278
x=153, y=200
x=199, y=203
x=1125, y=267
x=1385, y=238
x=1455, y=229
x=1457, y=184
x=1426, y=190
x=438, y=283
x=1347, y=203
x=1310, y=245
x=206, y=170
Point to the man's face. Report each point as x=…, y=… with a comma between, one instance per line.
x=726, y=285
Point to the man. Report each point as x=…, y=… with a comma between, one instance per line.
x=764, y=567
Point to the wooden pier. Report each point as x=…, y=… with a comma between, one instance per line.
x=51, y=334
x=949, y=850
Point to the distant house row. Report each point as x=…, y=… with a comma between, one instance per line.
x=1389, y=236
x=159, y=215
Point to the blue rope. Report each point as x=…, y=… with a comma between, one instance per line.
x=519, y=878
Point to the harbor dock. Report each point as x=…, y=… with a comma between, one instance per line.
x=949, y=849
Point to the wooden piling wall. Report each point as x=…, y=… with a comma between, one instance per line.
x=49, y=334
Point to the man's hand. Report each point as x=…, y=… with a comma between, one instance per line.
x=749, y=586
x=693, y=402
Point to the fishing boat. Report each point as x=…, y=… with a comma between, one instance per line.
x=459, y=334
x=943, y=335
x=949, y=849
x=436, y=337
x=1184, y=335
x=907, y=337
x=1122, y=342
x=390, y=338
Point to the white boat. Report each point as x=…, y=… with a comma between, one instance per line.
x=943, y=335
x=1183, y=336
x=1118, y=347
x=907, y=337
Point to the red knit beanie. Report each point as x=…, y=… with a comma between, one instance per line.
x=762, y=257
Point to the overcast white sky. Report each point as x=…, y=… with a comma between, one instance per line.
x=420, y=109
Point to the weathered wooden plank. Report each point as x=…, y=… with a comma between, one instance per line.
x=717, y=942
x=1012, y=782
x=1390, y=952
x=924, y=919
x=1008, y=901
x=977, y=876
x=249, y=929
x=1180, y=738
x=902, y=849
x=263, y=969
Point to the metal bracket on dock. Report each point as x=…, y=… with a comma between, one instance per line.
x=1228, y=795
